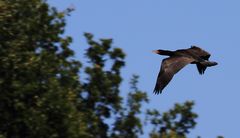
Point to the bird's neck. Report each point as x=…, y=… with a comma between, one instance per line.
x=165, y=52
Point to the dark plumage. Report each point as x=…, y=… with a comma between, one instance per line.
x=177, y=60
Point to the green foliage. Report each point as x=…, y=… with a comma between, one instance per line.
x=128, y=124
x=100, y=94
x=174, y=123
x=38, y=80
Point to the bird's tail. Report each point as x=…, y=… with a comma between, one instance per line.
x=208, y=63
x=202, y=66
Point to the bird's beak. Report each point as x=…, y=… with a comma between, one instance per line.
x=155, y=51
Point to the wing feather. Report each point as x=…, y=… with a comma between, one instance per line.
x=169, y=67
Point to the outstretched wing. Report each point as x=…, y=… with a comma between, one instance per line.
x=202, y=54
x=169, y=67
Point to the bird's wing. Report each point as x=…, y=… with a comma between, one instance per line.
x=202, y=54
x=169, y=67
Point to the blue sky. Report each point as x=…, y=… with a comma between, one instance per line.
x=140, y=26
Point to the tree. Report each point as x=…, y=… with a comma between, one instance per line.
x=128, y=124
x=38, y=79
x=174, y=123
x=100, y=94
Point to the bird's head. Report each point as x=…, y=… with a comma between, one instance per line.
x=156, y=51
x=163, y=52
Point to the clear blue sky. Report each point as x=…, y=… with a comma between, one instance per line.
x=140, y=26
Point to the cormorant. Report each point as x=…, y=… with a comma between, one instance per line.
x=177, y=60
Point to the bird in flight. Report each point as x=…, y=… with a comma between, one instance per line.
x=179, y=59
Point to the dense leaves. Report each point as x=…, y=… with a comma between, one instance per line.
x=38, y=80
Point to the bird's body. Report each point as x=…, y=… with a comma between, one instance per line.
x=177, y=60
